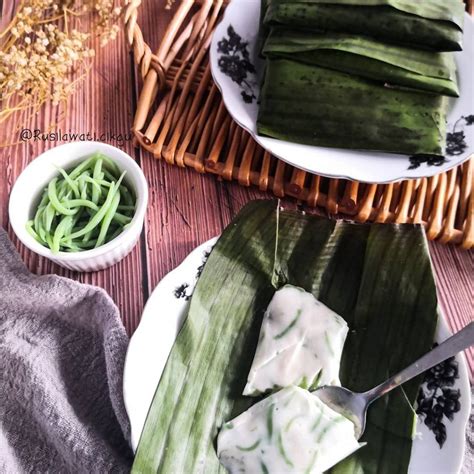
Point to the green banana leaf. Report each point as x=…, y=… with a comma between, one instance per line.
x=263, y=30
x=316, y=106
x=380, y=21
x=365, y=57
x=378, y=277
x=448, y=10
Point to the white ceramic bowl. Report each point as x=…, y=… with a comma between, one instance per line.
x=35, y=177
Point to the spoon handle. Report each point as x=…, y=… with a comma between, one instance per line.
x=460, y=341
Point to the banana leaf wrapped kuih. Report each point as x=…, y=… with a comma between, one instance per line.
x=377, y=277
x=366, y=57
x=429, y=24
x=317, y=106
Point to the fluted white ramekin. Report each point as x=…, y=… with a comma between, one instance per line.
x=32, y=181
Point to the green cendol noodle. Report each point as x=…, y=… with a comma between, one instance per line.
x=84, y=208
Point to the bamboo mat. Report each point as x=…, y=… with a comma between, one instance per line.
x=181, y=119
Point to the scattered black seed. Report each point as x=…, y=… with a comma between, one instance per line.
x=437, y=400
x=235, y=62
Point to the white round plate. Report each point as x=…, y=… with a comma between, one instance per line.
x=161, y=321
x=240, y=98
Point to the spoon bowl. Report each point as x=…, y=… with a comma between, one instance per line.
x=349, y=404
x=354, y=405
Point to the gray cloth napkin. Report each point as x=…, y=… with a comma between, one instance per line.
x=62, y=350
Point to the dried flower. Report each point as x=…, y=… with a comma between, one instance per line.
x=42, y=45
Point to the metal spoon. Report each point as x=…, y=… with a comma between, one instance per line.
x=354, y=405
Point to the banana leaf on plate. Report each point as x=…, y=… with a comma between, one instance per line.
x=377, y=277
x=317, y=106
x=391, y=64
x=430, y=24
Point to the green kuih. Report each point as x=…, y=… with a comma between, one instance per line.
x=377, y=277
x=317, y=106
x=300, y=343
x=366, y=57
x=430, y=24
x=291, y=431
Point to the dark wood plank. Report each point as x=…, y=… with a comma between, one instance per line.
x=183, y=210
x=454, y=271
x=101, y=105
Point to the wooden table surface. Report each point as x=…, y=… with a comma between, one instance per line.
x=185, y=208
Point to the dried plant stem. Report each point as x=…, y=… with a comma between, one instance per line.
x=43, y=46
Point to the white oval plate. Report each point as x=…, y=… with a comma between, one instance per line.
x=161, y=321
x=374, y=167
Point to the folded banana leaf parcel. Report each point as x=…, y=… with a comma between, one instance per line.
x=308, y=104
x=378, y=278
x=389, y=64
x=430, y=24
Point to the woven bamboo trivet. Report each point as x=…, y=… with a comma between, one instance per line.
x=181, y=118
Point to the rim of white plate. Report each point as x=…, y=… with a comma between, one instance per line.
x=266, y=142
x=184, y=272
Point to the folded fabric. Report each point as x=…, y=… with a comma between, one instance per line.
x=62, y=350
x=317, y=106
x=397, y=66
x=431, y=24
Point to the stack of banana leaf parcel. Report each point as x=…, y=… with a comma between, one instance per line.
x=360, y=74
